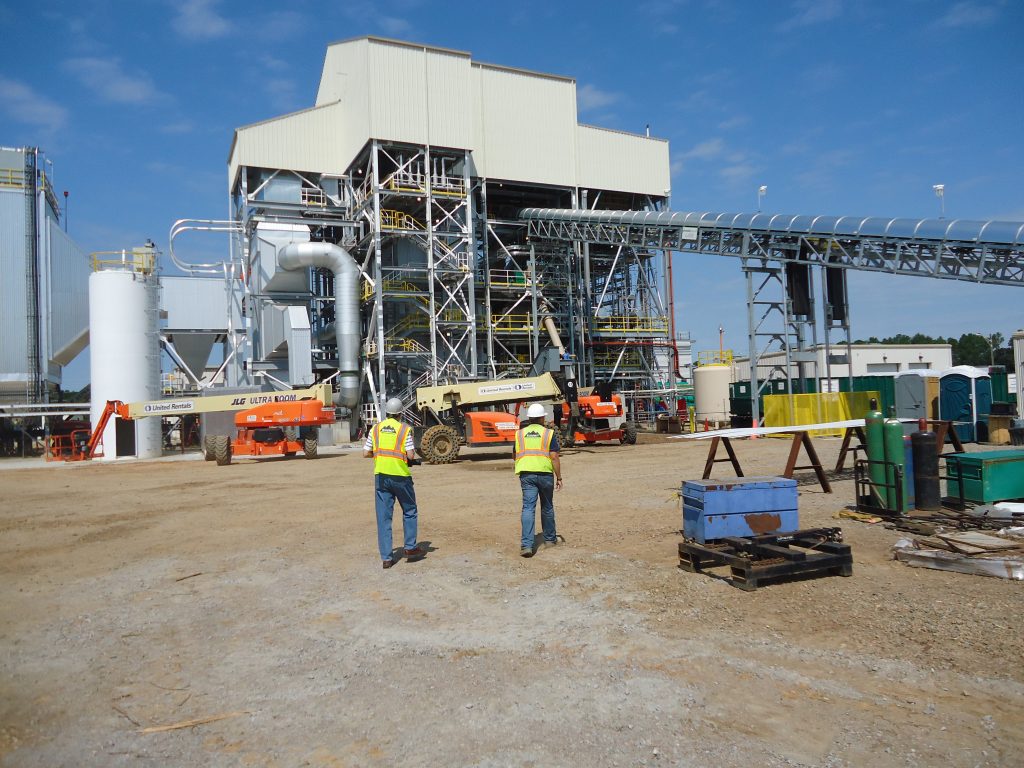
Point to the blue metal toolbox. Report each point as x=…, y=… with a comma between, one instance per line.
x=741, y=506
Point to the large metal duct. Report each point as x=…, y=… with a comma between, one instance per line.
x=346, y=306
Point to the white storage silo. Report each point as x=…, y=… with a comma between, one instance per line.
x=124, y=342
x=711, y=392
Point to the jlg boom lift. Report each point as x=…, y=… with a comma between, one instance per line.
x=268, y=423
x=474, y=413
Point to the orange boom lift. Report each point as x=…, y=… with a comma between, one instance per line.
x=268, y=423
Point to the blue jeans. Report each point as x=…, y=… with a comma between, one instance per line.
x=541, y=484
x=389, y=488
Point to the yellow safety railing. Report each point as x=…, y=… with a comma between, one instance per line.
x=820, y=408
x=390, y=219
x=631, y=359
x=516, y=323
x=11, y=177
x=629, y=324
x=515, y=278
x=715, y=357
x=389, y=285
x=313, y=197
x=405, y=182
x=142, y=260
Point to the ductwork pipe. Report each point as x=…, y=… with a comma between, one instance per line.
x=346, y=306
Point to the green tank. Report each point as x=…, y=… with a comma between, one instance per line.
x=875, y=433
x=895, y=457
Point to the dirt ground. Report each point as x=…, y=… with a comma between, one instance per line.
x=151, y=593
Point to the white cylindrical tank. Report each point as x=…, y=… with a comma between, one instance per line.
x=711, y=392
x=124, y=349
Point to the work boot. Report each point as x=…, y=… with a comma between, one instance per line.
x=526, y=552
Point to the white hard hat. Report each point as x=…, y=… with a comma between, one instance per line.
x=535, y=411
x=394, y=405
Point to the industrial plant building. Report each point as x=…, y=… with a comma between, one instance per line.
x=376, y=233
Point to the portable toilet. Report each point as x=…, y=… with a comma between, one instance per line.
x=965, y=393
x=916, y=393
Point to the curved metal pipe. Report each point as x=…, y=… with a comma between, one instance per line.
x=346, y=306
x=200, y=225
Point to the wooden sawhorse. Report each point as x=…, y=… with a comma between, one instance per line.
x=799, y=439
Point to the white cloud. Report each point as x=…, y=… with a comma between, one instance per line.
x=107, y=79
x=706, y=150
x=968, y=15
x=199, y=20
x=589, y=97
x=282, y=93
x=21, y=104
x=394, y=26
x=179, y=126
x=810, y=12
x=735, y=121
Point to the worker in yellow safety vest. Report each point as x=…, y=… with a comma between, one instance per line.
x=540, y=474
x=390, y=445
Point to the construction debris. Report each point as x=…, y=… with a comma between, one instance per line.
x=971, y=552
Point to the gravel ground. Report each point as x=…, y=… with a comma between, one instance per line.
x=152, y=593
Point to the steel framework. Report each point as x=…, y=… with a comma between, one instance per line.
x=452, y=286
x=777, y=254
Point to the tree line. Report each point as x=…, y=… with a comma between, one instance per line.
x=970, y=349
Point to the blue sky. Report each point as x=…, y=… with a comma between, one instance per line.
x=839, y=107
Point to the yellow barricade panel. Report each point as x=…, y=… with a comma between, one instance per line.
x=823, y=407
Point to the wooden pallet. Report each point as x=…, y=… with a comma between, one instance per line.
x=757, y=560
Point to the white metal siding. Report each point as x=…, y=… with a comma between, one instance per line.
x=619, y=161
x=529, y=125
x=314, y=141
x=449, y=103
x=69, y=270
x=398, y=99
x=194, y=303
x=13, y=348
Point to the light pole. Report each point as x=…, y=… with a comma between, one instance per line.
x=761, y=192
x=940, y=192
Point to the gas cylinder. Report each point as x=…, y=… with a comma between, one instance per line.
x=894, y=457
x=924, y=446
x=874, y=434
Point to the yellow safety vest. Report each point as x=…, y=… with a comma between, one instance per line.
x=388, y=439
x=533, y=449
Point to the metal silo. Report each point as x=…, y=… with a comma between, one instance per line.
x=124, y=338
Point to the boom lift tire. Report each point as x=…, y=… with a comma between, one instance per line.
x=628, y=434
x=222, y=449
x=440, y=444
x=309, y=446
x=208, y=448
x=566, y=437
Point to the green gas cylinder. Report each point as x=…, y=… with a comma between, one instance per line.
x=874, y=432
x=895, y=456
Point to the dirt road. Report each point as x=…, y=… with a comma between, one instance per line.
x=148, y=594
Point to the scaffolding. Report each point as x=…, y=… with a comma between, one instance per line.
x=451, y=286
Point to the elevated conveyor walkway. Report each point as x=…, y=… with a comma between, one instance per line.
x=990, y=252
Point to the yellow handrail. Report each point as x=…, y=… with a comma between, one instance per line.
x=715, y=357
x=11, y=177
x=627, y=324
x=142, y=260
x=390, y=219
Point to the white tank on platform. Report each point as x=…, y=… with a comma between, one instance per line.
x=711, y=392
x=124, y=347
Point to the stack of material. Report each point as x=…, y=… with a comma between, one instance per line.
x=972, y=552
